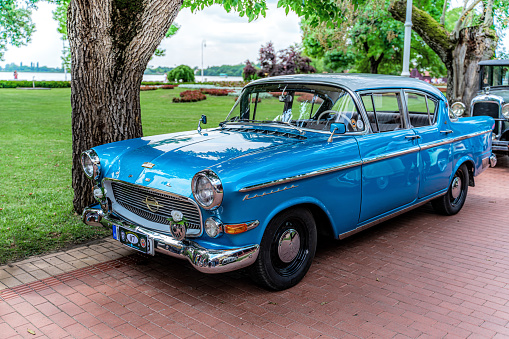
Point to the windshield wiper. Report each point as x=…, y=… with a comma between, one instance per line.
x=236, y=121
x=301, y=132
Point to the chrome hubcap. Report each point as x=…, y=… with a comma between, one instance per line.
x=456, y=188
x=289, y=245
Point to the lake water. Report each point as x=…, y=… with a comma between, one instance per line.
x=62, y=77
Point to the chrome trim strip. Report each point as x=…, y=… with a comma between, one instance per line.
x=161, y=192
x=301, y=176
x=362, y=162
x=203, y=259
x=387, y=217
x=390, y=155
x=452, y=140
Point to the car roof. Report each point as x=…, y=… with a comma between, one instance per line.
x=494, y=63
x=356, y=81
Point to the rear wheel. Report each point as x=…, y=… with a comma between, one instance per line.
x=286, y=251
x=452, y=202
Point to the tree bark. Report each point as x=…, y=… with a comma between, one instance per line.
x=111, y=43
x=459, y=51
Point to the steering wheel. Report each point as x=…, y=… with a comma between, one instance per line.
x=329, y=111
x=342, y=118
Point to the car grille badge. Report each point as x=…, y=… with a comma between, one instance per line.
x=152, y=204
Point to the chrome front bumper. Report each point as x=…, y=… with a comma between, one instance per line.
x=203, y=259
x=500, y=146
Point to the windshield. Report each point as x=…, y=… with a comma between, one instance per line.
x=495, y=76
x=304, y=106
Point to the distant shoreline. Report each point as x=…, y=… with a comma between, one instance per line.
x=52, y=76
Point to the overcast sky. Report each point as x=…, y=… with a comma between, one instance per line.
x=229, y=39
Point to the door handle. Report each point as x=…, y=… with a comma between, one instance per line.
x=447, y=131
x=413, y=137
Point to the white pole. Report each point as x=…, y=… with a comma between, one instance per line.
x=408, y=36
x=202, y=45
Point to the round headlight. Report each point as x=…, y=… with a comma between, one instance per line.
x=207, y=189
x=505, y=111
x=213, y=227
x=91, y=164
x=458, y=109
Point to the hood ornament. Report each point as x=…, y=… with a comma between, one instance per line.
x=147, y=165
x=203, y=120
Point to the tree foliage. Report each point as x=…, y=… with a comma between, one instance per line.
x=16, y=26
x=285, y=61
x=369, y=40
x=181, y=73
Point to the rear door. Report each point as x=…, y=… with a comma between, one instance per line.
x=390, y=173
x=434, y=140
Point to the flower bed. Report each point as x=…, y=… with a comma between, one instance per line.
x=147, y=88
x=216, y=92
x=308, y=97
x=168, y=86
x=190, y=96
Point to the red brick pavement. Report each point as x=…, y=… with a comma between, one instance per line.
x=420, y=275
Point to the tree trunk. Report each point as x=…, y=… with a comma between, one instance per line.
x=473, y=45
x=111, y=43
x=460, y=53
x=374, y=63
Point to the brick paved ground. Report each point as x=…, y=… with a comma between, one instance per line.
x=420, y=275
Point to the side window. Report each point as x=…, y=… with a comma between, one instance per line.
x=421, y=109
x=384, y=111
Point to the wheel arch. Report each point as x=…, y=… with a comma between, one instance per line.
x=323, y=221
x=470, y=167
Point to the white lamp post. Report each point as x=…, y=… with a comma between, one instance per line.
x=408, y=36
x=203, y=44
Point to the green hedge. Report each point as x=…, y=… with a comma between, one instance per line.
x=23, y=83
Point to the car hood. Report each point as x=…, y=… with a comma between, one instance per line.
x=173, y=159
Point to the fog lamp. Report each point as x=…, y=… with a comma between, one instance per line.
x=213, y=227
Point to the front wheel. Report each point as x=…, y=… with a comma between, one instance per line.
x=452, y=202
x=287, y=249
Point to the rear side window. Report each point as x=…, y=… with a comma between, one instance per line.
x=421, y=109
x=384, y=111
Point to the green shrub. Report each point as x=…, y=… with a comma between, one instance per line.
x=24, y=83
x=182, y=73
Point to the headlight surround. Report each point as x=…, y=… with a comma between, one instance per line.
x=505, y=111
x=207, y=189
x=458, y=109
x=91, y=164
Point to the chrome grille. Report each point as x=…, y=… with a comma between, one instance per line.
x=132, y=197
x=490, y=109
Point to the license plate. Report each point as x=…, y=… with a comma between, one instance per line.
x=135, y=240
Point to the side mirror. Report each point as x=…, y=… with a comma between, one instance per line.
x=203, y=120
x=336, y=128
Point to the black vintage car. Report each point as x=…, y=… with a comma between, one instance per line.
x=493, y=100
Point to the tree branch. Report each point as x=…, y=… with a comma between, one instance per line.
x=488, y=18
x=466, y=11
x=444, y=10
x=434, y=34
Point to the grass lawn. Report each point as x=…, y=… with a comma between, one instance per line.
x=36, y=214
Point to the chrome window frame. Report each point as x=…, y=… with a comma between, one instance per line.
x=427, y=97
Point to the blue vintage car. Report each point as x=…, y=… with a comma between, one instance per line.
x=297, y=156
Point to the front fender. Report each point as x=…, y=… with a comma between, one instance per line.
x=295, y=202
